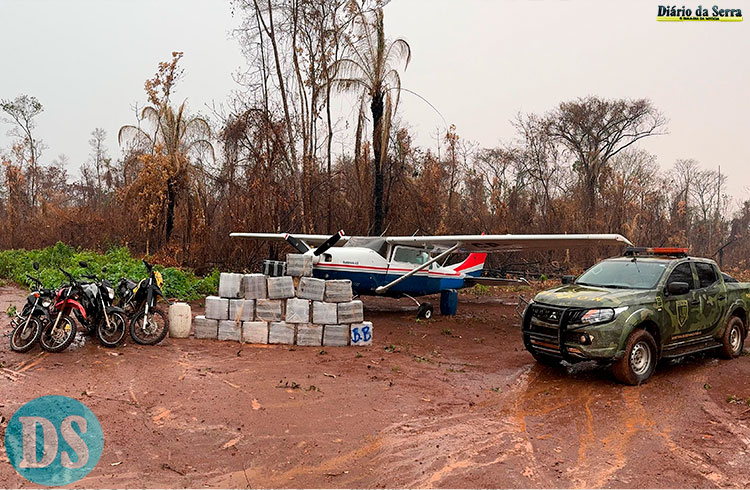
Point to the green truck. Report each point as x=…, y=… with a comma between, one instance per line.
x=631, y=311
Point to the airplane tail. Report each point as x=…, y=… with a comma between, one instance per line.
x=472, y=266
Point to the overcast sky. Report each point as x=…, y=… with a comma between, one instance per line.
x=479, y=62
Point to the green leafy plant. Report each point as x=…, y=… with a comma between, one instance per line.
x=182, y=284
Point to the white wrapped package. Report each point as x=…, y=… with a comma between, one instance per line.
x=242, y=308
x=217, y=308
x=255, y=332
x=311, y=288
x=338, y=290
x=351, y=312
x=336, y=335
x=298, y=265
x=230, y=285
x=281, y=333
x=361, y=333
x=280, y=287
x=205, y=328
x=230, y=330
x=297, y=310
x=254, y=286
x=325, y=313
x=268, y=310
x=310, y=334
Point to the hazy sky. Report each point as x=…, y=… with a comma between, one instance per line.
x=478, y=61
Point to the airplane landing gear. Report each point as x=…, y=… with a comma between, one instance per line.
x=424, y=310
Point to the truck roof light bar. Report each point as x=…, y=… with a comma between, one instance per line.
x=667, y=251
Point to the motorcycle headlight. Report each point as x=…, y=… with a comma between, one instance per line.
x=111, y=293
x=46, y=303
x=601, y=315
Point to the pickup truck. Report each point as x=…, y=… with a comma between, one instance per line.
x=633, y=310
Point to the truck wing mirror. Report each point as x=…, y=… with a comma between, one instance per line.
x=678, y=287
x=568, y=279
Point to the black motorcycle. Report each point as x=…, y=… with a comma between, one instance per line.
x=101, y=316
x=148, y=325
x=27, y=325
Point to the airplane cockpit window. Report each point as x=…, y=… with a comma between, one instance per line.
x=411, y=255
x=377, y=244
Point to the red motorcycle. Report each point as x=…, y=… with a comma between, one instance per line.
x=60, y=332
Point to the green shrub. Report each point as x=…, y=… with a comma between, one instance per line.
x=182, y=284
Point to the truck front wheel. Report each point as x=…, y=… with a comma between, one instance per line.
x=733, y=338
x=639, y=361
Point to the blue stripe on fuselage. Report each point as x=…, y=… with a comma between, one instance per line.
x=364, y=283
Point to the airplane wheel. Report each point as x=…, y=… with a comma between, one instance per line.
x=425, y=311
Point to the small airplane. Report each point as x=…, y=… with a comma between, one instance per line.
x=410, y=266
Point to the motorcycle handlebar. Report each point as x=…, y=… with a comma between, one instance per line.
x=34, y=279
x=70, y=276
x=148, y=266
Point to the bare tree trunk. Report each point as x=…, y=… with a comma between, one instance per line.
x=376, y=107
x=171, y=196
x=271, y=33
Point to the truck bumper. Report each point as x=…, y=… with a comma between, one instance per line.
x=558, y=341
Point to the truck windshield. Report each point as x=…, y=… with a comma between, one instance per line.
x=623, y=274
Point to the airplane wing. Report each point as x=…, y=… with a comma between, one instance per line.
x=509, y=243
x=313, y=240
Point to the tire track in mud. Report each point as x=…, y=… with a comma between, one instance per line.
x=472, y=446
x=578, y=429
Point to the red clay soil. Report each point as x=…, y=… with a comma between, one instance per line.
x=452, y=402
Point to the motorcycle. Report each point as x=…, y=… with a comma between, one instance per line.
x=58, y=335
x=148, y=324
x=27, y=325
x=107, y=320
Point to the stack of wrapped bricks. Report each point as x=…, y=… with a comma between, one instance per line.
x=293, y=309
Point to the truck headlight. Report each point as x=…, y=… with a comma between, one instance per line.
x=601, y=315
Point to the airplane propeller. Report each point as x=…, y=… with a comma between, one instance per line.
x=301, y=247
x=297, y=244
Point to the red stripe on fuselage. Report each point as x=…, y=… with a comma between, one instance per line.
x=384, y=269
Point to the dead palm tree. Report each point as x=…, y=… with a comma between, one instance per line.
x=175, y=135
x=371, y=68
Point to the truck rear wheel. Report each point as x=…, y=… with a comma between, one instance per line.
x=733, y=339
x=639, y=361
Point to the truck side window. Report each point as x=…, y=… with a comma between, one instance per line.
x=706, y=274
x=682, y=273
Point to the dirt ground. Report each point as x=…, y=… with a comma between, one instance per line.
x=453, y=402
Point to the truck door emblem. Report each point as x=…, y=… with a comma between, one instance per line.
x=682, y=312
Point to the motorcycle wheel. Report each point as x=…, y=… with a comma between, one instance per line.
x=24, y=336
x=154, y=331
x=112, y=335
x=58, y=338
